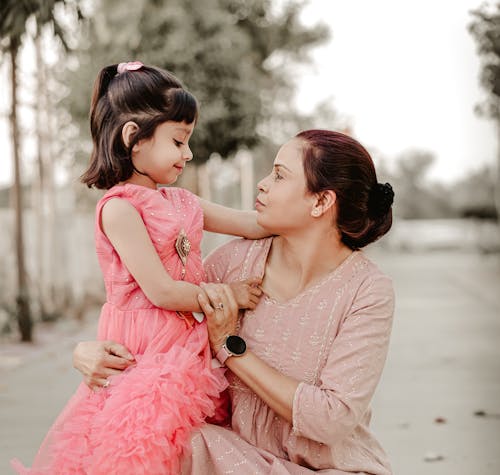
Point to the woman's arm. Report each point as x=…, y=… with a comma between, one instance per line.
x=223, y=220
x=273, y=387
x=353, y=368
x=348, y=380
x=97, y=360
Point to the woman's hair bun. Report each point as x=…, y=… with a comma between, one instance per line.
x=380, y=200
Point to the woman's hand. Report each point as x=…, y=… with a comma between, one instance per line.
x=276, y=389
x=97, y=360
x=247, y=292
x=220, y=307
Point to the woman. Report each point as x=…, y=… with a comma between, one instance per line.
x=308, y=359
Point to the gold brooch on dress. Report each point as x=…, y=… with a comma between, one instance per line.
x=183, y=246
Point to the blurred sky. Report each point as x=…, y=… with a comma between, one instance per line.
x=404, y=73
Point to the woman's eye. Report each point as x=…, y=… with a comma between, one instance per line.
x=178, y=143
x=277, y=176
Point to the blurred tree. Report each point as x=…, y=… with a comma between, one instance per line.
x=417, y=198
x=486, y=30
x=474, y=195
x=14, y=16
x=234, y=55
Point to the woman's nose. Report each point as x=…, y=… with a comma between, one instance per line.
x=261, y=186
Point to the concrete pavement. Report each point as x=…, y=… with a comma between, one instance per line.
x=437, y=410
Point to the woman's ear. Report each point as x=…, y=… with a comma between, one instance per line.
x=324, y=202
x=128, y=131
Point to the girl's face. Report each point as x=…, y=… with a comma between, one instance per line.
x=163, y=156
x=284, y=204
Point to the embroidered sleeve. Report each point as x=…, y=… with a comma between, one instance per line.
x=329, y=412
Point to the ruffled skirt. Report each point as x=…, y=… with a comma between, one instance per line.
x=142, y=422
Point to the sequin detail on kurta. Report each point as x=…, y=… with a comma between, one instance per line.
x=142, y=423
x=333, y=337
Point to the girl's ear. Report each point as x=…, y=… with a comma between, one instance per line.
x=324, y=202
x=128, y=131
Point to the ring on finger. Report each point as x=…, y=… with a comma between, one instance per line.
x=106, y=383
x=219, y=306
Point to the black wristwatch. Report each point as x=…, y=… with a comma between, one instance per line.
x=233, y=346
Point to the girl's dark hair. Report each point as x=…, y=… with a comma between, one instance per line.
x=335, y=161
x=147, y=96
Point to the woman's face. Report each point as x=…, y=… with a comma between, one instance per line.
x=284, y=203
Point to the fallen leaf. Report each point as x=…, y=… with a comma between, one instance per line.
x=433, y=457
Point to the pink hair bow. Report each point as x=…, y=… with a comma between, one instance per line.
x=130, y=66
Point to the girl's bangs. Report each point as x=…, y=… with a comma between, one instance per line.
x=183, y=106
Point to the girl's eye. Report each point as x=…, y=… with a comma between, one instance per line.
x=178, y=143
x=277, y=176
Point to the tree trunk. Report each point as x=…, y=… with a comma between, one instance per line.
x=45, y=203
x=24, y=319
x=497, y=187
x=37, y=191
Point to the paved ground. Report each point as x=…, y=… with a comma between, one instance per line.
x=437, y=410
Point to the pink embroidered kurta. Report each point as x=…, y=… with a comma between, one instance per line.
x=333, y=337
x=142, y=422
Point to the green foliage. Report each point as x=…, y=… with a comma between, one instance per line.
x=15, y=13
x=232, y=55
x=486, y=30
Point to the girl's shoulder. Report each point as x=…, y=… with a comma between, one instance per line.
x=142, y=197
x=179, y=196
x=136, y=194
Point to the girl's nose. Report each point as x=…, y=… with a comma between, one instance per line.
x=188, y=155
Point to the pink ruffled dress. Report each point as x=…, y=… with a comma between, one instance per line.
x=142, y=422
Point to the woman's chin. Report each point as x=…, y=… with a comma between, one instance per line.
x=266, y=225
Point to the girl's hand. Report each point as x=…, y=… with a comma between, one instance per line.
x=97, y=360
x=247, y=292
x=220, y=307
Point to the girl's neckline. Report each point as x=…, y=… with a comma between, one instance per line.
x=147, y=188
x=321, y=281
x=140, y=186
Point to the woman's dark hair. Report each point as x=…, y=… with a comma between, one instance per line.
x=335, y=161
x=147, y=96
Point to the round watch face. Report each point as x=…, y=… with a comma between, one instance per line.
x=236, y=344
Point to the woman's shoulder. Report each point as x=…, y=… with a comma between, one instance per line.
x=369, y=277
x=240, y=248
x=239, y=258
x=367, y=264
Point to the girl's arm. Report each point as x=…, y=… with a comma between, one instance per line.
x=220, y=219
x=124, y=227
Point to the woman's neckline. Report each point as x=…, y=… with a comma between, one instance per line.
x=321, y=281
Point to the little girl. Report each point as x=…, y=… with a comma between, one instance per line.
x=148, y=246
